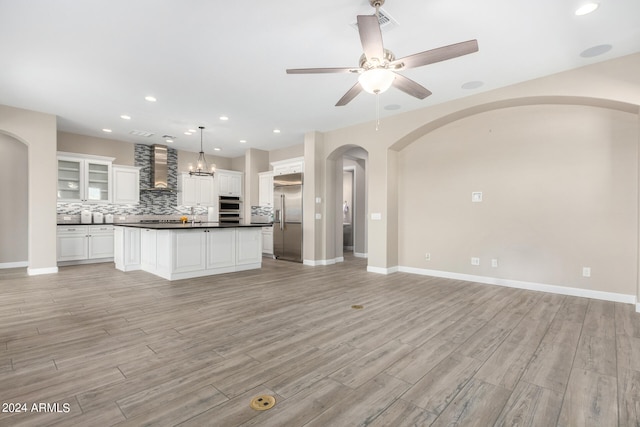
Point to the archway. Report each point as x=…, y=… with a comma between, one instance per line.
x=349, y=201
x=14, y=209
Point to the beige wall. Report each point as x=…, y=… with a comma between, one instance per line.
x=38, y=132
x=286, y=153
x=74, y=143
x=14, y=212
x=560, y=193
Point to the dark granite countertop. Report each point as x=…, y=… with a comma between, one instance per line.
x=187, y=226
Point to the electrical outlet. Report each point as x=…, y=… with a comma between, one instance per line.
x=494, y=262
x=427, y=256
x=475, y=261
x=586, y=271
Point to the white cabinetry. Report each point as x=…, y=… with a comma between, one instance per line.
x=84, y=243
x=267, y=240
x=84, y=178
x=196, y=190
x=221, y=248
x=295, y=165
x=148, y=243
x=265, y=181
x=127, y=248
x=229, y=183
x=181, y=254
x=126, y=184
x=249, y=246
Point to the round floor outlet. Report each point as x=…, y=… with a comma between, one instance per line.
x=262, y=403
x=357, y=306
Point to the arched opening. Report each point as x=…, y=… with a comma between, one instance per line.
x=348, y=166
x=14, y=207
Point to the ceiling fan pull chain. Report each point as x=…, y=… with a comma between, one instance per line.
x=377, y=110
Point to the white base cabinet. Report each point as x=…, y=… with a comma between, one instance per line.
x=85, y=243
x=183, y=254
x=267, y=240
x=127, y=248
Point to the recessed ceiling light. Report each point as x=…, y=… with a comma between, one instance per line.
x=596, y=50
x=192, y=130
x=168, y=140
x=106, y=130
x=125, y=117
x=243, y=141
x=587, y=8
x=475, y=84
x=217, y=149
x=150, y=98
x=392, y=107
x=224, y=118
x=188, y=133
x=276, y=131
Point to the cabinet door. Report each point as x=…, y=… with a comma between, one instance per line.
x=236, y=185
x=98, y=181
x=148, y=248
x=126, y=185
x=205, y=191
x=221, y=248
x=101, y=242
x=249, y=245
x=189, y=250
x=224, y=184
x=187, y=190
x=265, y=189
x=267, y=241
x=70, y=179
x=72, y=244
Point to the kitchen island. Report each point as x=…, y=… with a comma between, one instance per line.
x=176, y=251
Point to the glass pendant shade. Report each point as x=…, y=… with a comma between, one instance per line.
x=202, y=168
x=376, y=80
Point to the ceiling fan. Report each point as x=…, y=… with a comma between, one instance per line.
x=378, y=66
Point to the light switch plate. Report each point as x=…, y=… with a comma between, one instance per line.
x=476, y=196
x=376, y=216
x=318, y=216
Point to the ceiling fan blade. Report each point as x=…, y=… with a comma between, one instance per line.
x=370, y=37
x=351, y=93
x=322, y=70
x=410, y=87
x=437, y=55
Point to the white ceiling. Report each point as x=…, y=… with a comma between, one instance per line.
x=90, y=61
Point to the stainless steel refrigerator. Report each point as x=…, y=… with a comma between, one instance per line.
x=287, y=221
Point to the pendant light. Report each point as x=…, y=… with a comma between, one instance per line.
x=201, y=169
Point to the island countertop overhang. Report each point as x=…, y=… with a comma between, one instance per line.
x=187, y=225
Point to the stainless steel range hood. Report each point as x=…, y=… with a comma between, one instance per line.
x=159, y=169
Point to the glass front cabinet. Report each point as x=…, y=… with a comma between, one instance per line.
x=84, y=179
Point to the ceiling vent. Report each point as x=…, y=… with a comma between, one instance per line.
x=384, y=19
x=141, y=133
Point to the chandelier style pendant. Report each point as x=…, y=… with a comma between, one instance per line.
x=201, y=169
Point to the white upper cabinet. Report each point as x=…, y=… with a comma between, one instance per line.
x=229, y=183
x=196, y=190
x=265, y=180
x=295, y=165
x=126, y=184
x=84, y=179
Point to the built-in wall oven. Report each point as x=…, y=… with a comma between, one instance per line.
x=230, y=209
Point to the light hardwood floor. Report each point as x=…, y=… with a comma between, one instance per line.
x=133, y=349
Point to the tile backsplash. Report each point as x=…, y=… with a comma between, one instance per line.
x=152, y=202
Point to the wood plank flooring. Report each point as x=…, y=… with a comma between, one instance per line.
x=131, y=349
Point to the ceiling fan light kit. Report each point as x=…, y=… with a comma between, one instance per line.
x=378, y=66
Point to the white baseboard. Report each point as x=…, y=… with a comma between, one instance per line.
x=314, y=263
x=360, y=255
x=382, y=270
x=554, y=289
x=17, y=264
x=39, y=271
